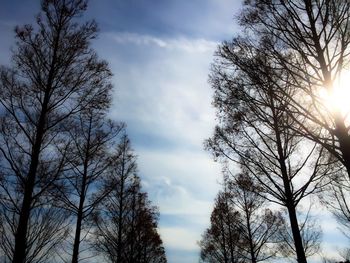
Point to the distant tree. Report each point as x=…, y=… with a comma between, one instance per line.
x=55, y=74
x=126, y=223
x=345, y=255
x=257, y=132
x=259, y=226
x=220, y=242
x=145, y=242
x=336, y=199
x=242, y=228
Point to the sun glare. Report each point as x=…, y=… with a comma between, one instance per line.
x=338, y=99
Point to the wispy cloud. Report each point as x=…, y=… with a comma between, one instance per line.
x=180, y=43
x=163, y=95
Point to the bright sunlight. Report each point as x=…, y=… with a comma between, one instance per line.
x=338, y=98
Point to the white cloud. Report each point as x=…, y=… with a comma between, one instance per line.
x=164, y=96
x=179, y=238
x=133, y=38
x=180, y=43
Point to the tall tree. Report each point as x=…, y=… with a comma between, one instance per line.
x=91, y=137
x=309, y=39
x=55, y=74
x=257, y=132
x=126, y=223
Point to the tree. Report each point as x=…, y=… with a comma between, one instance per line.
x=220, y=241
x=242, y=229
x=48, y=227
x=257, y=132
x=126, y=223
x=311, y=235
x=309, y=39
x=259, y=226
x=145, y=242
x=336, y=199
x=55, y=74
x=91, y=137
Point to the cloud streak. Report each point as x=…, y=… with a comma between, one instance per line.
x=180, y=43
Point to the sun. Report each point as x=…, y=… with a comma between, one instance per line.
x=337, y=98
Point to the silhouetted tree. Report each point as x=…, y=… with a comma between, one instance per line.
x=242, y=228
x=126, y=223
x=257, y=132
x=311, y=235
x=91, y=137
x=48, y=227
x=55, y=74
x=336, y=198
x=310, y=40
x=145, y=244
x=220, y=242
x=259, y=226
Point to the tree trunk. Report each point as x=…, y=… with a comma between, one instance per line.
x=75, y=256
x=76, y=245
x=296, y=235
x=250, y=237
x=344, y=141
x=120, y=217
x=288, y=192
x=22, y=227
x=299, y=247
x=223, y=239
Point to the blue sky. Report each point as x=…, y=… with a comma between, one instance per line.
x=160, y=53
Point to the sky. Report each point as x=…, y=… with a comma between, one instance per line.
x=160, y=53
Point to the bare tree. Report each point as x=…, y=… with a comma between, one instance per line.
x=48, y=228
x=336, y=199
x=126, y=223
x=91, y=138
x=257, y=132
x=145, y=244
x=310, y=40
x=242, y=228
x=220, y=242
x=259, y=227
x=54, y=75
x=311, y=235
